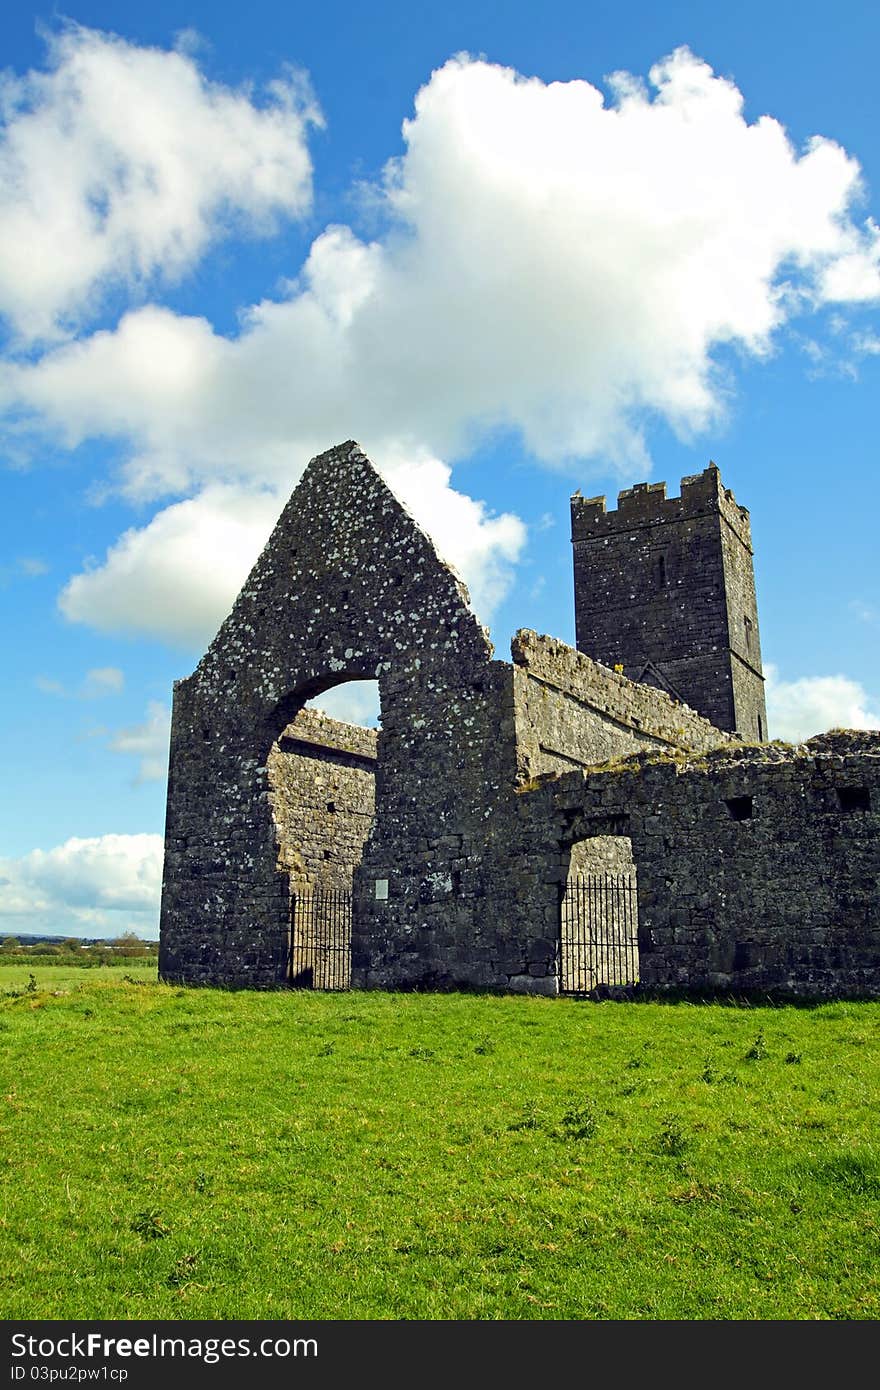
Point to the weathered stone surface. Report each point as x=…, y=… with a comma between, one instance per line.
x=348, y=587
x=782, y=898
x=322, y=781
x=571, y=710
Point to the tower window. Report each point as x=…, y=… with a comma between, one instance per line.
x=747, y=624
x=661, y=572
x=760, y=729
x=740, y=807
x=854, y=798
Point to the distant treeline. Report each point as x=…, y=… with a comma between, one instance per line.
x=73, y=951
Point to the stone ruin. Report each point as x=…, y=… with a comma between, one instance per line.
x=458, y=833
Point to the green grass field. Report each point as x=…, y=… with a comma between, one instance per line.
x=172, y=1153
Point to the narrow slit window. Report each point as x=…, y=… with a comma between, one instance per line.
x=661, y=572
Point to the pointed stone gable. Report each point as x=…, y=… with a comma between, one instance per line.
x=348, y=587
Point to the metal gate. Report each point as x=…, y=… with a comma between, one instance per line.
x=598, y=940
x=320, y=939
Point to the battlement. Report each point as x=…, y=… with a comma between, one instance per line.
x=646, y=504
x=665, y=592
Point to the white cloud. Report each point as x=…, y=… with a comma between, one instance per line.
x=120, y=163
x=867, y=344
x=85, y=887
x=32, y=566
x=47, y=686
x=102, y=680
x=552, y=263
x=178, y=577
x=355, y=702
x=865, y=612
x=481, y=547
x=814, y=704
x=147, y=741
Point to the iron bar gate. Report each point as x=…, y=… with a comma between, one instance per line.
x=599, y=942
x=320, y=939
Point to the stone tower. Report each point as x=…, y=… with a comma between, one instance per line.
x=665, y=587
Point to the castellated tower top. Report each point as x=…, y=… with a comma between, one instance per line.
x=647, y=504
x=665, y=588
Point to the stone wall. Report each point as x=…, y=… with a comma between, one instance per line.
x=758, y=869
x=453, y=761
x=322, y=779
x=573, y=711
x=664, y=586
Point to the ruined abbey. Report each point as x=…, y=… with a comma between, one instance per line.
x=569, y=819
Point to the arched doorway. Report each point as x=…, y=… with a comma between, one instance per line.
x=599, y=916
x=322, y=783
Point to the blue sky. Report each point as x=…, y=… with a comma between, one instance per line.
x=229, y=240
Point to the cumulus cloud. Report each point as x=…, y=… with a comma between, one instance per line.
x=178, y=577
x=120, y=163
x=551, y=262
x=148, y=742
x=84, y=887
x=814, y=704
x=480, y=546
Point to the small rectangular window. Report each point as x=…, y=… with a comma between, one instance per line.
x=854, y=798
x=742, y=955
x=739, y=807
